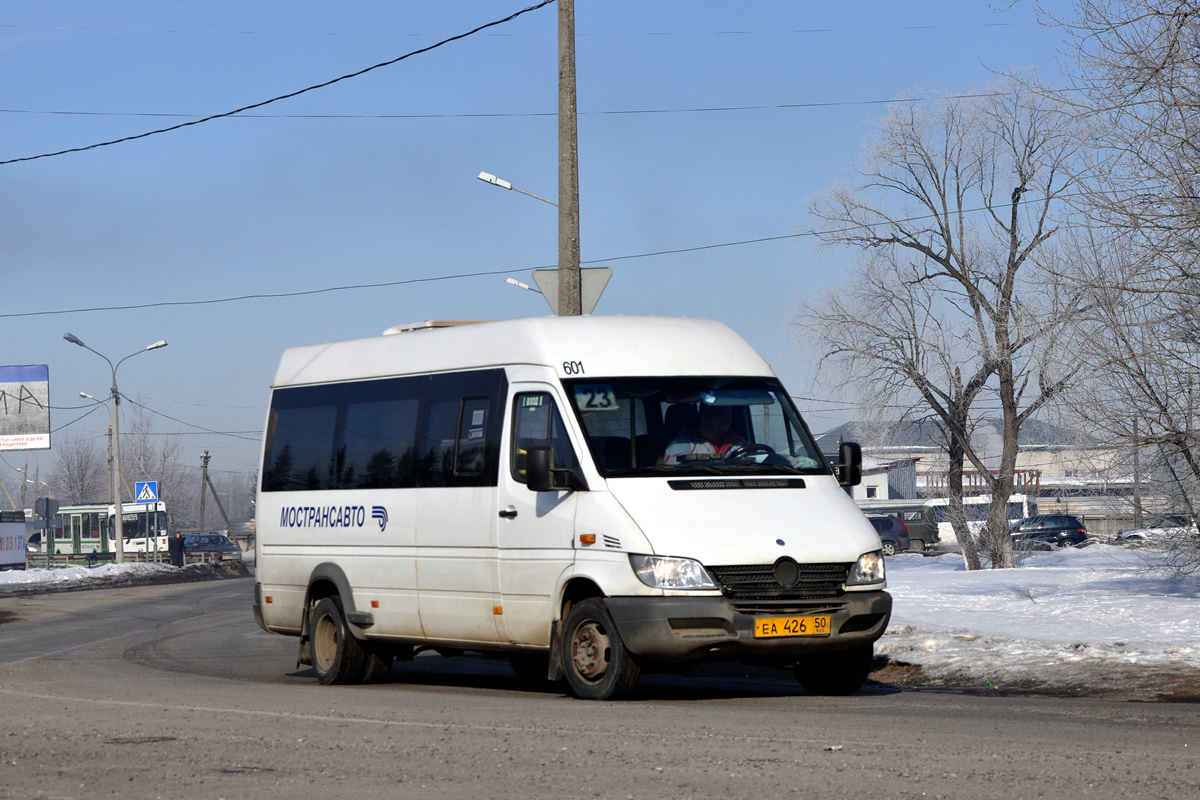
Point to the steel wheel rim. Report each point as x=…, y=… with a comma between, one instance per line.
x=324, y=642
x=590, y=647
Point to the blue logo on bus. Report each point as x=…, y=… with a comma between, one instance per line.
x=379, y=513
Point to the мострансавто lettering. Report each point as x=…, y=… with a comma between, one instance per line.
x=323, y=517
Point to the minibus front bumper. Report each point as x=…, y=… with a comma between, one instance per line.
x=693, y=629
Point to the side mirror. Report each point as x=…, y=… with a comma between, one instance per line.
x=538, y=475
x=849, y=464
x=541, y=476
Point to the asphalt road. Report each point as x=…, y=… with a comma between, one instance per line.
x=174, y=692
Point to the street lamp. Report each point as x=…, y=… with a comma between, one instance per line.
x=520, y=285
x=488, y=177
x=568, y=289
x=119, y=531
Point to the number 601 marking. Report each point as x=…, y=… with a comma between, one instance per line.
x=573, y=368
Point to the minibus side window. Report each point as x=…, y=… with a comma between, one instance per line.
x=379, y=434
x=459, y=444
x=299, y=450
x=470, y=453
x=364, y=434
x=536, y=423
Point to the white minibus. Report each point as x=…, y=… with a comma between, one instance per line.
x=590, y=497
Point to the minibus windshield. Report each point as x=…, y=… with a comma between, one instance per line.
x=701, y=425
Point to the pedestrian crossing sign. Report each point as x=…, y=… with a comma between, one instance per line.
x=146, y=491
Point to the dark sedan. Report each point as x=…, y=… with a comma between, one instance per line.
x=211, y=547
x=1057, y=530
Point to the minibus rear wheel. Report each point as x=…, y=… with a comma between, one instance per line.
x=596, y=663
x=836, y=674
x=337, y=657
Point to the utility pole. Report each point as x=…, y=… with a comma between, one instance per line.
x=569, y=302
x=1137, y=478
x=204, y=457
x=112, y=498
x=206, y=481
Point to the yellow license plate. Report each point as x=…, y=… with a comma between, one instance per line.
x=791, y=626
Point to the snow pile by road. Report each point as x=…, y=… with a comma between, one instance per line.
x=1062, y=618
x=63, y=575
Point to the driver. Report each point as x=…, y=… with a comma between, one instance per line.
x=712, y=436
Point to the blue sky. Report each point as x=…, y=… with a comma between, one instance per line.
x=372, y=180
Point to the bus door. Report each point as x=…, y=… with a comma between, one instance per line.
x=458, y=447
x=536, y=529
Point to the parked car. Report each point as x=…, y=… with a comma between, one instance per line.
x=1058, y=530
x=893, y=533
x=919, y=518
x=215, y=546
x=1166, y=526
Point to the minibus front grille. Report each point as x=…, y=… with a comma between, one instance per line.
x=790, y=608
x=759, y=581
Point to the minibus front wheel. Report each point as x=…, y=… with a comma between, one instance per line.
x=337, y=657
x=596, y=663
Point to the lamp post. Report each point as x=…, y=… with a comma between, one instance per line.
x=488, y=177
x=119, y=510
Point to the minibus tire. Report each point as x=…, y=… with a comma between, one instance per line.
x=337, y=657
x=836, y=674
x=595, y=661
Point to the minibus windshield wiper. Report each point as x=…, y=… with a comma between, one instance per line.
x=660, y=469
x=621, y=473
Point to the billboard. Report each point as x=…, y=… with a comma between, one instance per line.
x=25, y=407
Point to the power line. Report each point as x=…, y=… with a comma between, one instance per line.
x=244, y=435
x=271, y=295
x=202, y=405
x=72, y=422
x=503, y=114
x=581, y=35
x=486, y=273
x=201, y=428
x=287, y=96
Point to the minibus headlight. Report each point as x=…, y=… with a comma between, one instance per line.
x=661, y=572
x=869, y=569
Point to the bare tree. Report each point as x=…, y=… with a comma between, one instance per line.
x=949, y=307
x=1140, y=395
x=79, y=472
x=1135, y=69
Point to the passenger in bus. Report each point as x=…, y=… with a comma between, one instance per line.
x=712, y=436
x=176, y=549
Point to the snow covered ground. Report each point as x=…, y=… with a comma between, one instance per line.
x=1066, y=619
x=1092, y=617
x=66, y=575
